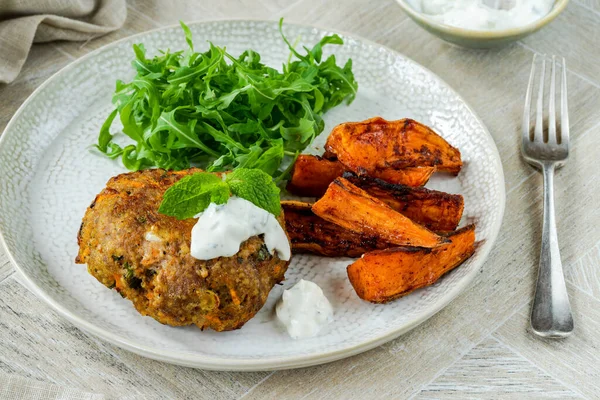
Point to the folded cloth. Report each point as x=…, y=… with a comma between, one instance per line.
x=23, y=22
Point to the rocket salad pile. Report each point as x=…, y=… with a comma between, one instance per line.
x=222, y=112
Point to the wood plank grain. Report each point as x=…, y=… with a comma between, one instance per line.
x=573, y=360
x=324, y=13
x=585, y=272
x=492, y=370
x=14, y=386
x=574, y=34
x=593, y=5
x=6, y=268
x=374, y=21
x=212, y=9
x=36, y=343
x=172, y=381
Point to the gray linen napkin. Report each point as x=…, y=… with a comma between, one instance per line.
x=23, y=22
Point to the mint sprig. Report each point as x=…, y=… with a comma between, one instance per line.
x=255, y=186
x=193, y=194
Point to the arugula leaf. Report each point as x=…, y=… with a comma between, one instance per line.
x=247, y=160
x=130, y=159
x=317, y=51
x=270, y=160
x=257, y=187
x=105, y=137
x=184, y=133
x=188, y=35
x=220, y=112
x=192, y=194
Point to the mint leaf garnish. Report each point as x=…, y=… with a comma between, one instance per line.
x=193, y=194
x=257, y=187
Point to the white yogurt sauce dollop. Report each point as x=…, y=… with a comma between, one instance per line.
x=473, y=14
x=304, y=309
x=221, y=229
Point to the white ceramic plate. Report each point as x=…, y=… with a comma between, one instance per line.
x=50, y=175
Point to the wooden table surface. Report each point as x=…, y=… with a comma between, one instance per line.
x=477, y=347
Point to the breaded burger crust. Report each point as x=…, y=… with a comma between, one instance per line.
x=145, y=256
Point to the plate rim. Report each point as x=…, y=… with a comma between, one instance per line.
x=257, y=364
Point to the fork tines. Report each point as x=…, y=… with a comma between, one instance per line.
x=554, y=136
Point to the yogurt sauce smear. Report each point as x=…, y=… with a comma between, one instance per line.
x=473, y=14
x=304, y=309
x=221, y=229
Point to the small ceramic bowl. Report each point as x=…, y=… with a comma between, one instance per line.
x=476, y=38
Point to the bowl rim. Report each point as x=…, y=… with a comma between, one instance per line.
x=215, y=363
x=558, y=7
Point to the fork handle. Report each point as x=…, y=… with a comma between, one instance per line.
x=551, y=313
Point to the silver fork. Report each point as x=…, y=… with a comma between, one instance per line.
x=551, y=312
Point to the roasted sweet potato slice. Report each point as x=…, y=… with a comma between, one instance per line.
x=312, y=175
x=377, y=144
x=411, y=176
x=435, y=210
x=352, y=208
x=329, y=156
x=384, y=275
x=310, y=233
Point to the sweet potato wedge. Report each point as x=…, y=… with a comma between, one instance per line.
x=435, y=210
x=329, y=156
x=377, y=144
x=310, y=233
x=312, y=175
x=411, y=176
x=352, y=208
x=384, y=275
